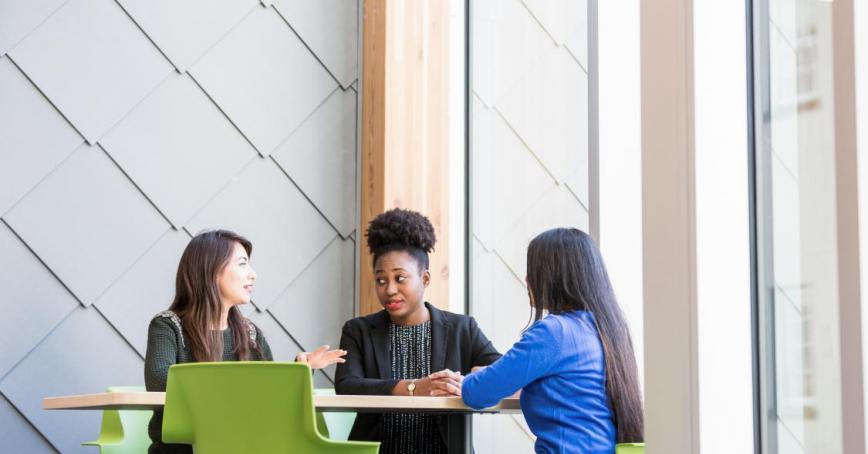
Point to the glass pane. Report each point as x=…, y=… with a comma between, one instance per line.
x=797, y=231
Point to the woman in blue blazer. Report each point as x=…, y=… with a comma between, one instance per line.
x=575, y=364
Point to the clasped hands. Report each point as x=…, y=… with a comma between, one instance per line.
x=440, y=384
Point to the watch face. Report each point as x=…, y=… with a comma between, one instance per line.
x=411, y=386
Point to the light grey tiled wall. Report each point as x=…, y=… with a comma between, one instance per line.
x=529, y=162
x=126, y=126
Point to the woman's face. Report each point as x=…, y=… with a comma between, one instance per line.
x=401, y=287
x=235, y=280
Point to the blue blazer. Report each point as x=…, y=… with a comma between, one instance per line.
x=560, y=367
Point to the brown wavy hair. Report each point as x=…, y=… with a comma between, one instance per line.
x=197, y=296
x=565, y=273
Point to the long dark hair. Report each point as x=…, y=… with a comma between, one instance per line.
x=565, y=273
x=197, y=297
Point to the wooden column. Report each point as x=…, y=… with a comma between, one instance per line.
x=669, y=227
x=850, y=318
x=405, y=87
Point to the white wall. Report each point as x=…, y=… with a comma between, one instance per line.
x=726, y=423
x=620, y=159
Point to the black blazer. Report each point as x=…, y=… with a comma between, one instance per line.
x=457, y=344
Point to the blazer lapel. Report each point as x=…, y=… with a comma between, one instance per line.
x=440, y=334
x=380, y=341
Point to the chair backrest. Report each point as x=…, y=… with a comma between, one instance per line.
x=630, y=448
x=232, y=407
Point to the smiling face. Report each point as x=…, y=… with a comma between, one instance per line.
x=235, y=280
x=401, y=286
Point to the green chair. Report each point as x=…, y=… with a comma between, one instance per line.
x=123, y=431
x=260, y=407
x=334, y=425
x=630, y=448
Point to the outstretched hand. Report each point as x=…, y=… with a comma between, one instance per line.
x=321, y=357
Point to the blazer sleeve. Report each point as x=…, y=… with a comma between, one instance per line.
x=350, y=375
x=529, y=359
x=483, y=351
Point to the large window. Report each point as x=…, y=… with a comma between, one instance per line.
x=796, y=228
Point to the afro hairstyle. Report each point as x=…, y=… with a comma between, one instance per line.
x=401, y=230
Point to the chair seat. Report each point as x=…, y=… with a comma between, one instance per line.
x=630, y=448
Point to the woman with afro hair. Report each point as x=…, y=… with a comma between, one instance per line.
x=410, y=348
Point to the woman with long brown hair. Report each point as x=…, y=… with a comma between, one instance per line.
x=204, y=323
x=575, y=363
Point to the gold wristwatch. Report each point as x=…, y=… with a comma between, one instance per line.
x=411, y=387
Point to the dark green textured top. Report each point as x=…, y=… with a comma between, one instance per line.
x=167, y=346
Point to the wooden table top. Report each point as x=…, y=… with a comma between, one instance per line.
x=332, y=403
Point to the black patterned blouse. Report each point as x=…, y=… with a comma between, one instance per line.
x=410, y=433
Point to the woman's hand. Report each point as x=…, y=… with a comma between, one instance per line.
x=321, y=357
x=439, y=384
x=445, y=383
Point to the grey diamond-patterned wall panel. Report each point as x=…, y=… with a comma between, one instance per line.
x=505, y=168
x=18, y=434
x=283, y=346
x=145, y=289
x=313, y=324
x=86, y=234
x=34, y=135
x=529, y=161
x=17, y=19
x=264, y=78
x=160, y=146
x=329, y=28
x=184, y=30
x=559, y=138
x=286, y=230
x=322, y=151
x=92, y=62
x=83, y=355
x=126, y=126
x=566, y=21
x=33, y=302
x=501, y=57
